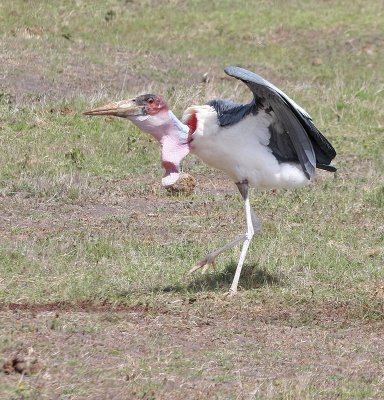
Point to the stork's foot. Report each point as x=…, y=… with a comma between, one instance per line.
x=204, y=263
x=211, y=257
x=230, y=294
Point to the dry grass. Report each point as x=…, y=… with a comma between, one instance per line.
x=93, y=252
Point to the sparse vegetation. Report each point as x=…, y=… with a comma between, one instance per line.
x=93, y=252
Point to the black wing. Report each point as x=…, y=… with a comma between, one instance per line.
x=293, y=132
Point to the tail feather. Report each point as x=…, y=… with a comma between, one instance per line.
x=325, y=167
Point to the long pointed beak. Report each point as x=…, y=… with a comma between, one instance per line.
x=123, y=109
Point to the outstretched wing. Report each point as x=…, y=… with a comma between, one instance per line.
x=293, y=130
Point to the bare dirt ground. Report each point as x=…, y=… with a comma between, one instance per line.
x=185, y=351
x=193, y=347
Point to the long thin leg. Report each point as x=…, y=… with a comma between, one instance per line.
x=250, y=232
x=210, y=258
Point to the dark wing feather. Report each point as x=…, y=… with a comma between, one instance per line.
x=230, y=113
x=301, y=136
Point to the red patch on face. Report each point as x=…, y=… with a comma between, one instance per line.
x=156, y=105
x=192, y=124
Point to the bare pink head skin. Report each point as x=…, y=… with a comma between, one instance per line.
x=152, y=115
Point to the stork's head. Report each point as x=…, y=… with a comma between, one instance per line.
x=146, y=104
x=148, y=112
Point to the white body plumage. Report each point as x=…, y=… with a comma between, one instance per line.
x=241, y=150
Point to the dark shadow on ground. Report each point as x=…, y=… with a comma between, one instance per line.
x=251, y=277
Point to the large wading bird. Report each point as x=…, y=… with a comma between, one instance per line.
x=269, y=143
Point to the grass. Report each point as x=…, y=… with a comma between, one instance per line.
x=85, y=223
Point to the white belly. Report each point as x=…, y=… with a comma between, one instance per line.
x=242, y=152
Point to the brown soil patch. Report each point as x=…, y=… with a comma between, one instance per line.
x=82, y=306
x=23, y=364
x=185, y=351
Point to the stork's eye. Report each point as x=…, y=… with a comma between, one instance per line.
x=150, y=100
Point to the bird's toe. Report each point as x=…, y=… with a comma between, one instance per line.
x=195, y=268
x=204, y=263
x=230, y=293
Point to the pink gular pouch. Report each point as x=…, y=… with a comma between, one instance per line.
x=173, y=138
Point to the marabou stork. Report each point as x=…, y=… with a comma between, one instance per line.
x=268, y=143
